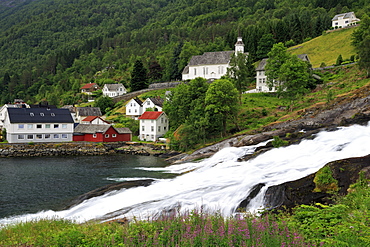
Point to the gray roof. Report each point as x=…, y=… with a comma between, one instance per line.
x=113, y=87
x=186, y=70
x=157, y=101
x=98, y=128
x=138, y=101
x=218, y=57
x=88, y=111
x=123, y=130
x=39, y=115
x=344, y=15
x=263, y=62
x=304, y=57
x=91, y=128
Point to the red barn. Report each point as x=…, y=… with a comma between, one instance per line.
x=101, y=133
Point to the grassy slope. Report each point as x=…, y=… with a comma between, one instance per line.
x=326, y=48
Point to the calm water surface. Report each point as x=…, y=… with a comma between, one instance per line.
x=29, y=185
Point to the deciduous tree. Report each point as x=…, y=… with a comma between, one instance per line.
x=222, y=103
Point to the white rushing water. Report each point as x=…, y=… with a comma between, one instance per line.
x=219, y=183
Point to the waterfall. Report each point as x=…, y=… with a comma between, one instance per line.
x=219, y=183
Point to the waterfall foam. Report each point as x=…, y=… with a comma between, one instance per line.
x=220, y=182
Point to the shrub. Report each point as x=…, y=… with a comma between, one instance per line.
x=278, y=142
x=324, y=181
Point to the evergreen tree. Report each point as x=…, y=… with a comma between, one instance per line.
x=339, y=60
x=264, y=45
x=175, y=71
x=139, y=77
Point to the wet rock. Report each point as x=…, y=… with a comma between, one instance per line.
x=290, y=194
x=109, y=188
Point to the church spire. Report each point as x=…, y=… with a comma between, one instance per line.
x=239, y=46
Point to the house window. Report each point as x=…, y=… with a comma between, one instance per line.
x=135, y=110
x=148, y=103
x=195, y=71
x=159, y=128
x=143, y=128
x=106, y=135
x=152, y=121
x=20, y=126
x=39, y=136
x=64, y=126
x=114, y=135
x=152, y=128
x=47, y=136
x=94, y=135
x=20, y=137
x=64, y=136
x=47, y=126
x=164, y=128
x=162, y=120
x=29, y=137
x=129, y=110
x=56, y=126
x=152, y=137
x=56, y=136
x=29, y=126
x=38, y=126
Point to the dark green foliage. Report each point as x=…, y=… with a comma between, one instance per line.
x=138, y=77
x=278, y=142
x=339, y=60
x=264, y=45
x=104, y=103
x=361, y=41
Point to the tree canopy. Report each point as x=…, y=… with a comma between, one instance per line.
x=361, y=41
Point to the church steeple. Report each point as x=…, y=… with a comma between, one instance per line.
x=239, y=46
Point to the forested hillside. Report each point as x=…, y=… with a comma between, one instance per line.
x=50, y=48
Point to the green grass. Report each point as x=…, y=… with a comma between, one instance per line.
x=327, y=47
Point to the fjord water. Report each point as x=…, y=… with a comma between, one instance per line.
x=219, y=183
x=29, y=185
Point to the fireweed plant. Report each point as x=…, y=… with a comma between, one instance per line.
x=191, y=229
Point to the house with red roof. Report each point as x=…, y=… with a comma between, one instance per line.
x=94, y=120
x=153, y=125
x=101, y=133
x=89, y=88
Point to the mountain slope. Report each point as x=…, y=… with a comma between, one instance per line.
x=327, y=47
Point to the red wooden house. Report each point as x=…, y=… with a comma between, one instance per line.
x=101, y=133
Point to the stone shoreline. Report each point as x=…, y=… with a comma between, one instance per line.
x=83, y=148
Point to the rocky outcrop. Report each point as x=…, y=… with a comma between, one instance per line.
x=301, y=191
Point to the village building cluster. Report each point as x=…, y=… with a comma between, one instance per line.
x=44, y=123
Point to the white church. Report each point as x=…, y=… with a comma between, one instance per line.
x=211, y=65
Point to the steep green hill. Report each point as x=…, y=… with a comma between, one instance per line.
x=327, y=47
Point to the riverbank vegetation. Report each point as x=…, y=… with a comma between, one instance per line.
x=346, y=223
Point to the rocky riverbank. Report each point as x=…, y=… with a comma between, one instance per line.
x=63, y=149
